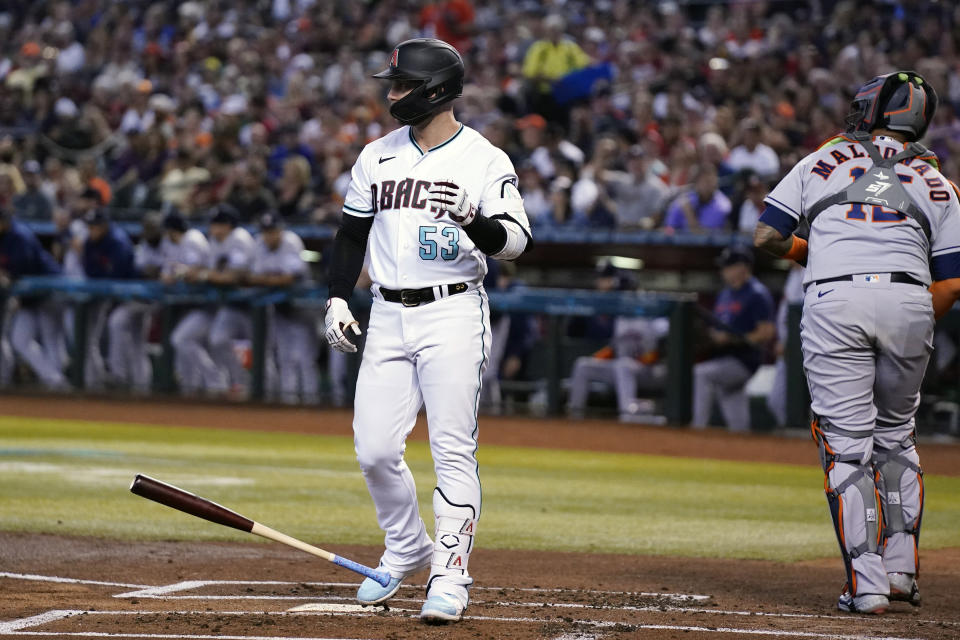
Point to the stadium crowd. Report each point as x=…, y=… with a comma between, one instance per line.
x=617, y=114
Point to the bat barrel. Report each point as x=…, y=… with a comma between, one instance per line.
x=176, y=498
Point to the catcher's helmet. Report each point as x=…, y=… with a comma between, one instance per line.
x=435, y=66
x=901, y=101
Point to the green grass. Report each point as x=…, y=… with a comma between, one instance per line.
x=73, y=477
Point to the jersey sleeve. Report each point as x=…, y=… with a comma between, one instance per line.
x=785, y=202
x=945, y=245
x=359, y=198
x=501, y=198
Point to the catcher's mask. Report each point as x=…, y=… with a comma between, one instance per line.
x=901, y=101
x=434, y=67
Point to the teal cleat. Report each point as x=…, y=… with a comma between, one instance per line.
x=372, y=592
x=439, y=609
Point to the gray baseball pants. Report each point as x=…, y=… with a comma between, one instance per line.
x=866, y=344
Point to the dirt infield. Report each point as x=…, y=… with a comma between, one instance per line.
x=176, y=590
x=66, y=587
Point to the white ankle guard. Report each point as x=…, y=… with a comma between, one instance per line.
x=453, y=541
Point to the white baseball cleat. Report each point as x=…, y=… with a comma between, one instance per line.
x=439, y=609
x=903, y=588
x=874, y=603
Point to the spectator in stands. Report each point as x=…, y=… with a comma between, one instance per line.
x=547, y=60
x=32, y=203
x=754, y=193
x=713, y=150
x=181, y=178
x=740, y=329
x=248, y=193
x=450, y=21
x=294, y=194
x=90, y=178
x=639, y=196
x=704, y=207
x=751, y=154
x=35, y=331
x=536, y=196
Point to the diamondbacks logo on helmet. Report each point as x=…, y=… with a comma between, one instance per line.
x=394, y=57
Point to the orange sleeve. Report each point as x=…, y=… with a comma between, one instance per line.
x=604, y=354
x=798, y=250
x=945, y=293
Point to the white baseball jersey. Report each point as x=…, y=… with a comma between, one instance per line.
x=861, y=238
x=193, y=250
x=234, y=253
x=147, y=256
x=409, y=247
x=286, y=259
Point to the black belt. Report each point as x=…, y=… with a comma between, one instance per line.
x=896, y=276
x=416, y=297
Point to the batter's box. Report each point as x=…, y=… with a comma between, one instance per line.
x=307, y=591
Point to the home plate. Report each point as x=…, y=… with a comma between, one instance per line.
x=327, y=607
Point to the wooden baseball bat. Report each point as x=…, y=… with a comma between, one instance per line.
x=176, y=498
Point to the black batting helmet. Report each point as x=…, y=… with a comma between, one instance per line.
x=437, y=69
x=901, y=101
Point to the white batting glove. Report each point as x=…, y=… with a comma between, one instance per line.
x=340, y=324
x=452, y=200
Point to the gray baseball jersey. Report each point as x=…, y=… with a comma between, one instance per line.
x=846, y=239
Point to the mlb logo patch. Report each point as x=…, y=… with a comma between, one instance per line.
x=393, y=58
x=873, y=277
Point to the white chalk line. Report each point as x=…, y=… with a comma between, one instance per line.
x=50, y=616
x=12, y=626
x=164, y=594
x=165, y=591
x=38, y=578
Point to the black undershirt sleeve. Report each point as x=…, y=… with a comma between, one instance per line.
x=348, y=249
x=487, y=234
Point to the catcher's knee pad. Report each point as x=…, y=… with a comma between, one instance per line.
x=453, y=542
x=899, y=480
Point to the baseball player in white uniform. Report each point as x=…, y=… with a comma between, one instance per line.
x=433, y=197
x=884, y=224
x=278, y=262
x=231, y=256
x=189, y=255
x=129, y=322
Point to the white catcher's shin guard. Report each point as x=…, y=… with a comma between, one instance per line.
x=453, y=542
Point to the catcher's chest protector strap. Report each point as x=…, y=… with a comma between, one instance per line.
x=879, y=185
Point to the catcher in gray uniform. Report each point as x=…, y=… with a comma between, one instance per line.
x=884, y=225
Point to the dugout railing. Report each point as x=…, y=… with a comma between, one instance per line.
x=554, y=304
